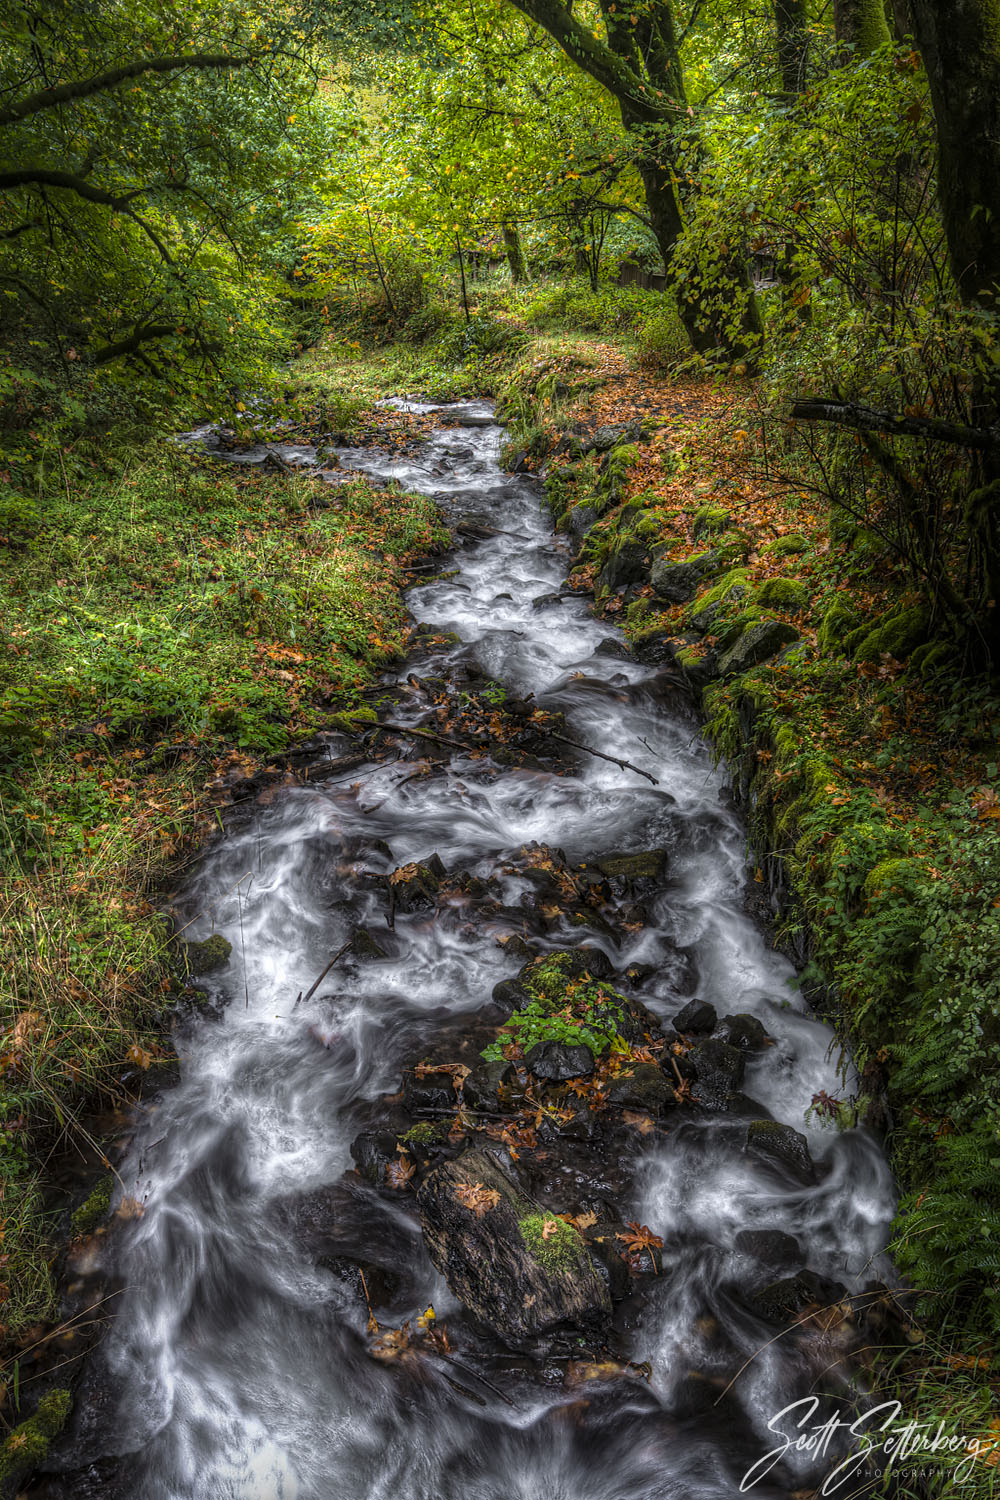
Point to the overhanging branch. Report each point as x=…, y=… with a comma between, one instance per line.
x=867, y=419
x=83, y=88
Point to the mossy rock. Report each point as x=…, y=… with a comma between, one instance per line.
x=207, y=957
x=93, y=1208
x=621, y=459
x=897, y=635
x=731, y=587
x=756, y=646
x=782, y=593
x=26, y=1447
x=709, y=520
x=891, y=876
x=789, y=545
x=555, y=1244
x=837, y=622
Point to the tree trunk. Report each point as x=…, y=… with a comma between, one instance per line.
x=640, y=67
x=792, y=25
x=515, y=254
x=861, y=25
x=960, y=44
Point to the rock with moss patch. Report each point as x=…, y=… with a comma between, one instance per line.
x=628, y=563
x=897, y=635
x=207, y=957
x=782, y=593
x=756, y=646
x=790, y=545
x=677, y=582
x=516, y=1269
x=709, y=520
x=26, y=1447
x=837, y=622
x=93, y=1208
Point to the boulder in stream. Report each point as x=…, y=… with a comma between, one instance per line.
x=517, y=1269
x=782, y=1148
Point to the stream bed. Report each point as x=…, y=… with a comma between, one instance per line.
x=242, y=1360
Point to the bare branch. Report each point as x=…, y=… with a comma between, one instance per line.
x=865, y=419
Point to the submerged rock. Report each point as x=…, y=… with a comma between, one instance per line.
x=771, y=1246
x=743, y=1031
x=515, y=1268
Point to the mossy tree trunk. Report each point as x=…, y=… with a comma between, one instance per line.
x=639, y=64
x=861, y=25
x=515, y=254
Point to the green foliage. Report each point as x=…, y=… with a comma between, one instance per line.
x=574, y=1011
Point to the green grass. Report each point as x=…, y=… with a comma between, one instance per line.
x=163, y=620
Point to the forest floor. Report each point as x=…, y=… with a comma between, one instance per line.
x=170, y=632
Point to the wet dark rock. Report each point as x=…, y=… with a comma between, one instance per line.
x=428, y=1091
x=779, y=1146
x=583, y=517
x=481, y=1089
x=372, y=1151
x=605, y=1254
x=719, y=1069
x=756, y=645
x=510, y=995
x=634, y=873
x=677, y=582
x=614, y=648
x=546, y=601
x=497, y=1260
x=771, y=1246
x=782, y=1301
x=363, y=945
x=697, y=1016
x=557, y=1061
x=642, y=1087
x=371, y=1284
x=584, y=1126
x=743, y=1031
x=415, y=887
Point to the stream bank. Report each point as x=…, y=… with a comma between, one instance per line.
x=510, y=912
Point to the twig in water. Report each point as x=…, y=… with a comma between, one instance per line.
x=339, y=954
x=626, y=765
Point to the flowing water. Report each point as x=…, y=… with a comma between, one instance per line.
x=237, y=1367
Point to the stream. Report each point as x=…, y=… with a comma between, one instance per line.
x=238, y=1365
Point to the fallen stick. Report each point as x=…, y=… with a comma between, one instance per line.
x=426, y=734
x=339, y=954
x=626, y=765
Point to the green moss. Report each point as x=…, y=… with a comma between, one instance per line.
x=559, y=1250
x=890, y=875
x=620, y=460
x=789, y=545
x=708, y=520
x=838, y=620
x=421, y=1133
x=93, y=1209
x=207, y=957
x=27, y=1445
x=782, y=593
x=731, y=587
x=895, y=636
